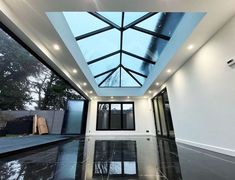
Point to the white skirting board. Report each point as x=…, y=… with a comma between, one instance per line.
x=222, y=150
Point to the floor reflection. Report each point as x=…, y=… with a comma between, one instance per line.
x=118, y=158
x=115, y=159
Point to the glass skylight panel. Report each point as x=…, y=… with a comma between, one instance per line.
x=98, y=35
x=115, y=17
x=82, y=22
x=163, y=23
x=135, y=64
x=127, y=80
x=132, y=16
x=137, y=43
x=150, y=23
x=105, y=64
x=101, y=78
x=113, y=80
x=100, y=44
x=141, y=79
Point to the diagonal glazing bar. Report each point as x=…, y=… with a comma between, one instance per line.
x=146, y=16
x=151, y=33
x=103, y=57
x=132, y=76
x=109, y=75
x=93, y=33
x=103, y=73
x=104, y=19
x=130, y=70
x=139, y=57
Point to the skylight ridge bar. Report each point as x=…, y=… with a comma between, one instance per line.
x=93, y=33
x=167, y=38
x=103, y=57
x=104, y=19
x=135, y=72
x=139, y=57
x=132, y=76
x=142, y=18
x=103, y=73
x=121, y=44
x=109, y=75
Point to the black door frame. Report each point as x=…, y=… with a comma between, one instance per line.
x=155, y=117
x=84, y=118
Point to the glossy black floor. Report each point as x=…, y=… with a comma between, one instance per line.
x=122, y=158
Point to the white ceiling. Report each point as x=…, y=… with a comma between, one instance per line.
x=28, y=20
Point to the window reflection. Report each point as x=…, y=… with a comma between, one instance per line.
x=115, y=159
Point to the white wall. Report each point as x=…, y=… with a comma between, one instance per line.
x=202, y=95
x=144, y=119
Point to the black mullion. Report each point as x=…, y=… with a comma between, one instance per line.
x=139, y=57
x=132, y=76
x=109, y=116
x=142, y=18
x=136, y=72
x=104, y=19
x=103, y=73
x=108, y=76
x=93, y=33
x=103, y=57
x=121, y=114
x=167, y=38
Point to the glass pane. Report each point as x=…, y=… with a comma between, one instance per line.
x=168, y=115
x=113, y=80
x=132, y=16
x=130, y=167
x=163, y=23
x=99, y=45
x=136, y=64
x=101, y=78
x=128, y=116
x=115, y=121
x=74, y=117
x=82, y=22
x=157, y=116
x=127, y=80
x=115, y=17
x=145, y=45
x=150, y=23
x=115, y=168
x=105, y=64
x=103, y=116
x=141, y=79
x=162, y=116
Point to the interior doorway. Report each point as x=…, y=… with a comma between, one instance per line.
x=162, y=115
x=75, y=117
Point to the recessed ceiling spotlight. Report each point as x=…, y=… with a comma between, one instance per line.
x=111, y=97
x=90, y=92
x=56, y=47
x=191, y=46
x=150, y=92
x=84, y=84
x=168, y=70
x=75, y=71
x=128, y=97
x=157, y=83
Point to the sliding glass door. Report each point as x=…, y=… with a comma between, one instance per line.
x=162, y=113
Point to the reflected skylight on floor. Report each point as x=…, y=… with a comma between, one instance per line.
x=121, y=48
